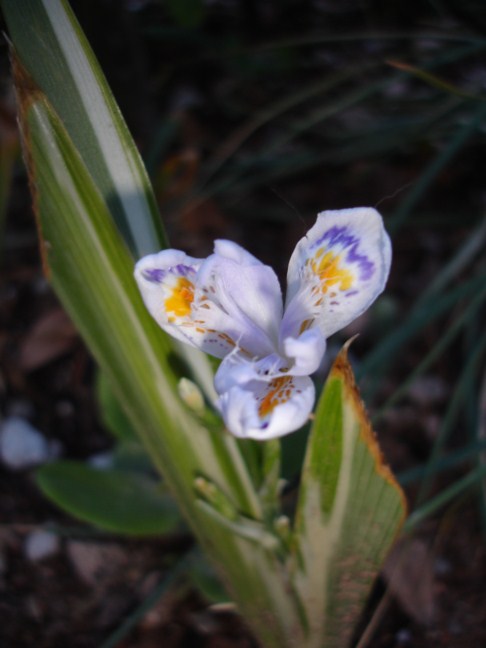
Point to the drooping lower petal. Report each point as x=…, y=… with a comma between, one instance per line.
x=336, y=271
x=266, y=410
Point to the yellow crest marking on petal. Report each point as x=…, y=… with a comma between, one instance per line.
x=179, y=302
x=278, y=393
x=326, y=266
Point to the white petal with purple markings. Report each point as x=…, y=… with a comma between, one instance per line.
x=266, y=410
x=337, y=270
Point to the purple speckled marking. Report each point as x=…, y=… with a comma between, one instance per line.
x=351, y=293
x=182, y=269
x=336, y=235
x=339, y=236
x=155, y=275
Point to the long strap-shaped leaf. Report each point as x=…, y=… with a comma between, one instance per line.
x=349, y=512
x=91, y=270
x=52, y=46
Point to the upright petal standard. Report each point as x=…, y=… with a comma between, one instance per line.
x=230, y=305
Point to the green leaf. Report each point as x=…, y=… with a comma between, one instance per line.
x=113, y=500
x=112, y=415
x=52, y=47
x=131, y=456
x=205, y=579
x=92, y=272
x=349, y=512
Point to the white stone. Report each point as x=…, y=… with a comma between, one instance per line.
x=101, y=461
x=21, y=445
x=41, y=544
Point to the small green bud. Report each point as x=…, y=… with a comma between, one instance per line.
x=208, y=491
x=191, y=395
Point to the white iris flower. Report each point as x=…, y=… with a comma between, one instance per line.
x=230, y=305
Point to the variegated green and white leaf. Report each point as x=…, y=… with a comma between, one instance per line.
x=349, y=512
x=52, y=47
x=91, y=270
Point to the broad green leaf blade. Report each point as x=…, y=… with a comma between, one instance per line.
x=52, y=47
x=114, y=500
x=112, y=415
x=92, y=272
x=349, y=512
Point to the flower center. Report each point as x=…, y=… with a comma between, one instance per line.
x=326, y=267
x=181, y=298
x=279, y=392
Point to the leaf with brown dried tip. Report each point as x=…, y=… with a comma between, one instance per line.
x=349, y=512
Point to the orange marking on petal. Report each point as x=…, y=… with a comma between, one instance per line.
x=306, y=324
x=326, y=267
x=179, y=303
x=278, y=393
x=227, y=338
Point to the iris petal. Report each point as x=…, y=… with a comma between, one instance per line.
x=237, y=369
x=229, y=301
x=248, y=292
x=336, y=271
x=305, y=351
x=167, y=283
x=266, y=410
